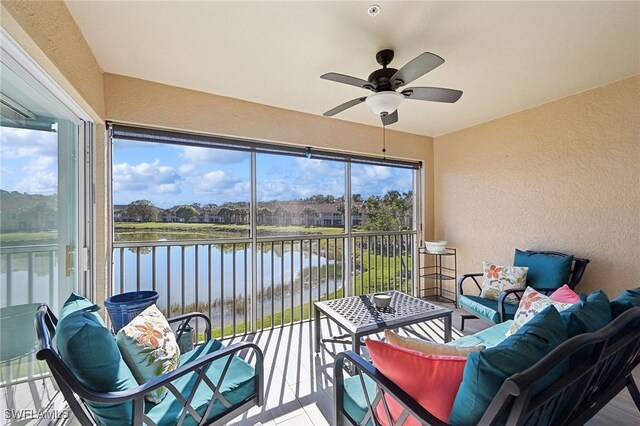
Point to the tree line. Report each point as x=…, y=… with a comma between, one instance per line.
x=391, y=212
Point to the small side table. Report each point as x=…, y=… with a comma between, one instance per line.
x=444, y=268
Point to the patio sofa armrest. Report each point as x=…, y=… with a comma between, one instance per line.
x=502, y=300
x=185, y=319
x=517, y=292
x=473, y=278
x=384, y=388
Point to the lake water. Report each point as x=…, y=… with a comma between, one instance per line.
x=276, y=270
x=217, y=274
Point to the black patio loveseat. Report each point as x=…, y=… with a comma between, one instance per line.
x=601, y=365
x=211, y=385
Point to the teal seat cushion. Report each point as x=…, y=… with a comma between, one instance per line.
x=590, y=314
x=238, y=386
x=89, y=350
x=486, y=370
x=354, y=400
x=545, y=270
x=74, y=303
x=488, y=337
x=487, y=309
x=625, y=300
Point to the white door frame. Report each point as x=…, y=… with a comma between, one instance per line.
x=17, y=59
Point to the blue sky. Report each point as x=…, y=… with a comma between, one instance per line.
x=170, y=175
x=28, y=161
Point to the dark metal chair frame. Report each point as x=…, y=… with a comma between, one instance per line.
x=577, y=271
x=572, y=399
x=45, y=323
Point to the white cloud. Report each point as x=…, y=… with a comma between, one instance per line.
x=274, y=189
x=146, y=177
x=25, y=143
x=39, y=177
x=32, y=157
x=215, y=182
x=219, y=186
x=201, y=155
x=168, y=188
x=378, y=180
x=186, y=169
x=301, y=178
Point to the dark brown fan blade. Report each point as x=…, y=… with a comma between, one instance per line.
x=418, y=66
x=346, y=105
x=347, y=79
x=389, y=118
x=434, y=94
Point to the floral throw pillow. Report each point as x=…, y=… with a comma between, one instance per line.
x=531, y=304
x=496, y=279
x=148, y=346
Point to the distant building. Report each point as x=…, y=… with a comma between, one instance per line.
x=282, y=213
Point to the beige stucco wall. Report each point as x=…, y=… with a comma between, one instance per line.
x=563, y=176
x=46, y=30
x=131, y=100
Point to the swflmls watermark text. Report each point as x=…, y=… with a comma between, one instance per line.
x=26, y=414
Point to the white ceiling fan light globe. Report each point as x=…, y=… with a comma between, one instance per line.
x=384, y=102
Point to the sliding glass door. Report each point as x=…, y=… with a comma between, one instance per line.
x=42, y=160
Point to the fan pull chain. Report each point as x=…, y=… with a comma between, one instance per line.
x=384, y=142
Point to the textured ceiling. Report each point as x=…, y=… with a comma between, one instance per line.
x=505, y=56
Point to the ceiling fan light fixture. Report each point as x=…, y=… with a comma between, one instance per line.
x=384, y=102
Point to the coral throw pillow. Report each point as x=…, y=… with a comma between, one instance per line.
x=496, y=279
x=565, y=294
x=148, y=346
x=531, y=304
x=431, y=380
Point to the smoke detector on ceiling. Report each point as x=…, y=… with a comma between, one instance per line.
x=373, y=10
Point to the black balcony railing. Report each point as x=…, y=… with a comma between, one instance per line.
x=244, y=290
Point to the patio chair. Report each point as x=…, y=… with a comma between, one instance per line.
x=212, y=384
x=539, y=264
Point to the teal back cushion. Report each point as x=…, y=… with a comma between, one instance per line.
x=89, y=350
x=486, y=370
x=74, y=303
x=590, y=314
x=625, y=300
x=545, y=270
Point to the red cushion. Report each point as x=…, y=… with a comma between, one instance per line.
x=565, y=295
x=431, y=380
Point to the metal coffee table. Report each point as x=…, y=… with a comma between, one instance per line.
x=359, y=316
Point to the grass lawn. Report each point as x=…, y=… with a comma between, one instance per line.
x=123, y=229
x=31, y=237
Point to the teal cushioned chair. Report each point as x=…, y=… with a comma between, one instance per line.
x=548, y=270
x=212, y=385
x=236, y=387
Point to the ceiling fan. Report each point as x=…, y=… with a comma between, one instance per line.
x=384, y=82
